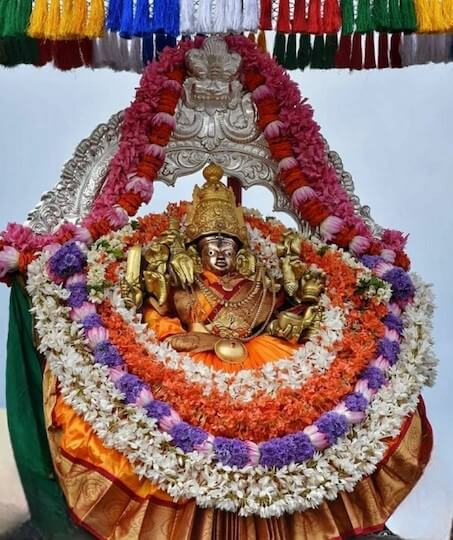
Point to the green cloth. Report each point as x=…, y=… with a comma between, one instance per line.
x=24, y=401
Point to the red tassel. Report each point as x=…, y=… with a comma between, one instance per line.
x=283, y=22
x=395, y=56
x=45, y=52
x=356, y=56
x=383, y=56
x=314, y=17
x=343, y=56
x=332, y=17
x=299, y=21
x=86, y=50
x=66, y=54
x=266, y=15
x=370, y=55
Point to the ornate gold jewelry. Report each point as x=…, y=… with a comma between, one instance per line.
x=214, y=209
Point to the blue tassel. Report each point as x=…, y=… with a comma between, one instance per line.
x=114, y=15
x=127, y=19
x=161, y=42
x=172, y=20
x=142, y=21
x=148, y=49
x=159, y=20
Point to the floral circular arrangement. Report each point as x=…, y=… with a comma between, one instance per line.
x=260, y=441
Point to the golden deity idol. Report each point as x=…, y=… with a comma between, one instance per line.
x=205, y=292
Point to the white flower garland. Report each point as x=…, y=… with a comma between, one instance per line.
x=251, y=490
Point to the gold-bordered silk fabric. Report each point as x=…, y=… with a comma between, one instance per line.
x=107, y=499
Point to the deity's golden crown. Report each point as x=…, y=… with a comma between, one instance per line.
x=213, y=209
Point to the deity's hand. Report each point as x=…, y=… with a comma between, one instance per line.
x=288, y=326
x=183, y=266
x=131, y=293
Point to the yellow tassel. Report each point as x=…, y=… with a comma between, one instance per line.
x=437, y=16
x=252, y=37
x=447, y=9
x=95, y=23
x=78, y=17
x=262, y=41
x=65, y=20
x=38, y=19
x=52, y=26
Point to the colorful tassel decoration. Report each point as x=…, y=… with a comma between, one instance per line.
x=370, y=54
x=279, y=48
x=291, y=52
x=127, y=19
x=261, y=41
x=304, y=54
x=161, y=42
x=136, y=62
x=44, y=52
x=283, y=22
x=172, y=21
x=395, y=56
x=408, y=17
x=331, y=21
x=356, y=55
x=343, y=56
x=383, y=54
x=266, y=14
x=314, y=17
x=114, y=15
x=51, y=28
x=299, y=22
x=381, y=15
x=364, y=20
x=317, y=56
x=251, y=37
x=148, y=49
x=95, y=22
x=395, y=22
x=38, y=19
x=186, y=16
x=330, y=50
x=347, y=15
x=78, y=23
x=3, y=9
x=8, y=18
x=65, y=29
x=250, y=15
x=86, y=51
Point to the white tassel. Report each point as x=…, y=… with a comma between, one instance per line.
x=408, y=48
x=440, y=48
x=99, y=59
x=233, y=16
x=218, y=18
x=124, y=56
x=203, y=17
x=136, y=62
x=423, y=54
x=250, y=15
x=110, y=47
x=186, y=16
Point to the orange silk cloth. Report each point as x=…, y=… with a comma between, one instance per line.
x=107, y=499
x=260, y=349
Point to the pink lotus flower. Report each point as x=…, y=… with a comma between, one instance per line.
x=166, y=423
x=301, y=195
x=164, y=118
x=155, y=150
x=51, y=249
x=144, y=397
x=206, y=447
x=253, y=451
x=262, y=92
x=96, y=335
x=395, y=309
x=318, y=440
x=9, y=260
x=392, y=335
x=362, y=387
x=76, y=279
x=274, y=129
x=116, y=373
x=82, y=234
x=381, y=268
x=142, y=186
x=380, y=362
x=287, y=163
x=388, y=255
x=330, y=227
x=359, y=244
x=79, y=313
x=117, y=216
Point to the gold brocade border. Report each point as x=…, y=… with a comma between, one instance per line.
x=109, y=508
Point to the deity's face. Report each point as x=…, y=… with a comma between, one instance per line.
x=218, y=254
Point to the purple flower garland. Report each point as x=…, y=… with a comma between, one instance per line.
x=68, y=263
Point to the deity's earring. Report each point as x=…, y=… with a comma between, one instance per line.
x=245, y=262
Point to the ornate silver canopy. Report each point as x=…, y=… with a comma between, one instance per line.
x=216, y=121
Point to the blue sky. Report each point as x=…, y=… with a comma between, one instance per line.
x=393, y=130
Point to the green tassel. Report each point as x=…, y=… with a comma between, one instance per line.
x=291, y=52
x=23, y=15
x=29, y=49
x=364, y=21
x=408, y=16
x=395, y=16
x=2, y=52
x=347, y=16
x=317, y=58
x=3, y=5
x=330, y=50
x=280, y=48
x=10, y=28
x=304, y=54
x=381, y=15
x=13, y=54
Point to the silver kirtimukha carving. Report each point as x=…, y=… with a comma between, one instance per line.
x=215, y=121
